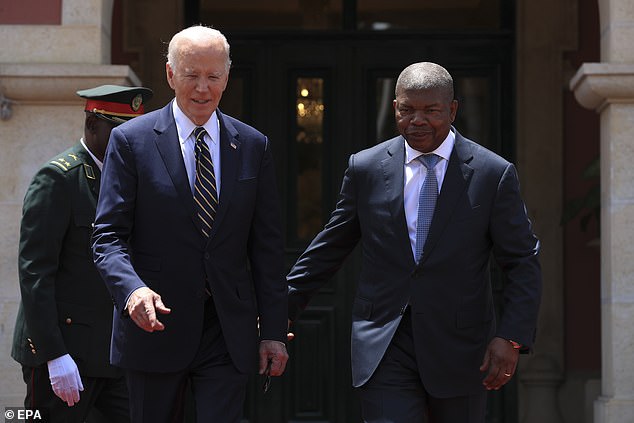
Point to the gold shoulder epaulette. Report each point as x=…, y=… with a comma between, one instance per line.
x=66, y=161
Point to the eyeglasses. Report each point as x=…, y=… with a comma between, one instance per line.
x=267, y=377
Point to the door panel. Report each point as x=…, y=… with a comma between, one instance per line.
x=320, y=98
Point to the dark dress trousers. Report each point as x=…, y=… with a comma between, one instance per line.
x=146, y=235
x=479, y=213
x=65, y=306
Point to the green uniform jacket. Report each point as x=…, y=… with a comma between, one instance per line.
x=65, y=306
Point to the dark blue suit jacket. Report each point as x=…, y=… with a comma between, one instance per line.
x=479, y=212
x=145, y=235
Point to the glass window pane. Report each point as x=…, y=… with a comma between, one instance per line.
x=271, y=14
x=380, y=15
x=309, y=132
x=385, y=124
x=475, y=109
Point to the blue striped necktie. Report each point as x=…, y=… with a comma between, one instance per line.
x=426, y=202
x=205, y=194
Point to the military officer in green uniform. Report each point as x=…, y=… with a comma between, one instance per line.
x=64, y=322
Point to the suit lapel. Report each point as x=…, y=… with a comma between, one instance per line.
x=170, y=150
x=392, y=167
x=456, y=181
x=229, y=164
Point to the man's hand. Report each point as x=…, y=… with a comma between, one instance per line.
x=65, y=379
x=276, y=352
x=500, y=360
x=142, y=306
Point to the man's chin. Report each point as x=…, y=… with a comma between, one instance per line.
x=420, y=136
x=422, y=144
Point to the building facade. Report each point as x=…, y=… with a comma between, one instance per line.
x=547, y=84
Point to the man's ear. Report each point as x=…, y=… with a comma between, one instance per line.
x=453, y=109
x=169, y=73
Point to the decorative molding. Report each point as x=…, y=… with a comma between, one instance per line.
x=57, y=83
x=598, y=84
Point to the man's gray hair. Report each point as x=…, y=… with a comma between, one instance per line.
x=425, y=76
x=193, y=33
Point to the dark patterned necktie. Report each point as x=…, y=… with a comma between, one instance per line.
x=205, y=194
x=426, y=202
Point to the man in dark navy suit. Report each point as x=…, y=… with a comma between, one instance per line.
x=429, y=208
x=62, y=331
x=188, y=240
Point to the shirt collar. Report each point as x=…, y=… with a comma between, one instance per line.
x=443, y=150
x=98, y=162
x=185, y=127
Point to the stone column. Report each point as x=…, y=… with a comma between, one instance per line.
x=608, y=88
x=544, y=31
x=41, y=68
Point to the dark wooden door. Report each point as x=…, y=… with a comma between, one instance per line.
x=320, y=98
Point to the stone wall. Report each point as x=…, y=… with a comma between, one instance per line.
x=41, y=68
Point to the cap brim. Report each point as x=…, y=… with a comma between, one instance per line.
x=112, y=119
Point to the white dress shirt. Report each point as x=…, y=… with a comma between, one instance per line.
x=415, y=173
x=185, y=129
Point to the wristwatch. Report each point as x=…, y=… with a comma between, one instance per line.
x=516, y=345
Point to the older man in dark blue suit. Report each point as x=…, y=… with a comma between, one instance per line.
x=188, y=241
x=429, y=208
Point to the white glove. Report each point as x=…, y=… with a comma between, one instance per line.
x=65, y=380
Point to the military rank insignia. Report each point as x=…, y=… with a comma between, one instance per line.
x=63, y=163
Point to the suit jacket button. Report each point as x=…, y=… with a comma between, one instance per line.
x=68, y=320
x=206, y=256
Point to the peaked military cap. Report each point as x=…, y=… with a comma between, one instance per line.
x=116, y=103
